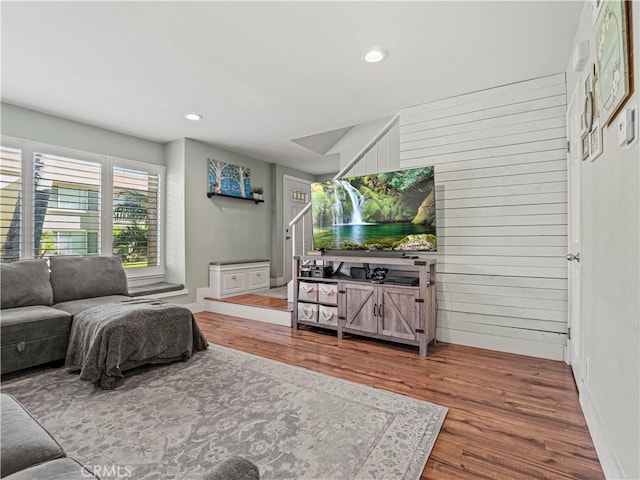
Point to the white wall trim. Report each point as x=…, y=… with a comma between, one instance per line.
x=502, y=344
x=606, y=454
x=276, y=317
x=194, y=307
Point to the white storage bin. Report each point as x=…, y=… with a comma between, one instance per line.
x=328, y=293
x=328, y=315
x=308, y=292
x=308, y=312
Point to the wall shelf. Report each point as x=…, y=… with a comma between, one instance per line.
x=213, y=194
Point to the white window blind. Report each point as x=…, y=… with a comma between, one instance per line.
x=10, y=203
x=136, y=225
x=66, y=206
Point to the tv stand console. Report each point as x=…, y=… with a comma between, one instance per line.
x=395, y=309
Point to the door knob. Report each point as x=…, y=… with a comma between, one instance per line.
x=575, y=257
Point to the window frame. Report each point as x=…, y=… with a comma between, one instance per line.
x=29, y=148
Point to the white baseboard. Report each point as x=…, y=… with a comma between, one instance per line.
x=552, y=351
x=610, y=465
x=194, y=307
x=277, y=281
x=267, y=315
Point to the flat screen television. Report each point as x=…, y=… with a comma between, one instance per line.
x=393, y=211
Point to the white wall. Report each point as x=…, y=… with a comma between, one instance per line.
x=501, y=183
x=175, y=233
x=611, y=285
x=41, y=127
x=222, y=228
x=355, y=140
x=277, y=214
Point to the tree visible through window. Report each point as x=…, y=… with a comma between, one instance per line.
x=135, y=217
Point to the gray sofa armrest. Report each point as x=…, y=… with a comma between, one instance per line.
x=24, y=441
x=234, y=468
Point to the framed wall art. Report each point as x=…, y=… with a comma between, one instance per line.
x=612, y=59
x=228, y=179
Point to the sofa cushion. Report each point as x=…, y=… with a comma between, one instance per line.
x=28, y=323
x=76, y=306
x=60, y=469
x=25, y=283
x=73, y=278
x=24, y=441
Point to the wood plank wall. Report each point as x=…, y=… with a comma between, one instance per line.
x=501, y=192
x=383, y=156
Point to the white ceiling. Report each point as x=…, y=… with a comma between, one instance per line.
x=266, y=73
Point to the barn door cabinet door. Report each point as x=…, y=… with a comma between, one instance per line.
x=398, y=314
x=358, y=306
x=382, y=310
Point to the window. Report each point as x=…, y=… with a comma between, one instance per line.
x=57, y=201
x=64, y=189
x=10, y=203
x=135, y=217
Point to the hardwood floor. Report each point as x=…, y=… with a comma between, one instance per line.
x=257, y=301
x=510, y=416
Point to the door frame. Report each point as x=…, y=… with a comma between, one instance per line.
x=574, y=356
x=285, y=214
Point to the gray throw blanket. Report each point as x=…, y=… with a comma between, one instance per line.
x=139, y=330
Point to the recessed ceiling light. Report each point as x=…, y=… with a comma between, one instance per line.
x=375, y=55
x=194, y=116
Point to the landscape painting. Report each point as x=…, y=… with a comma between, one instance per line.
x=384, y=211
x=228, y=179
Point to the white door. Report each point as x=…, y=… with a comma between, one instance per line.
x=297, y=194
x=574, y=156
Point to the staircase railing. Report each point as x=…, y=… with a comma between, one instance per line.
x=299, y=221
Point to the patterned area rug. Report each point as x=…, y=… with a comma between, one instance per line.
x=177, y=421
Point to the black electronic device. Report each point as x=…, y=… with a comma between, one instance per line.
x=410, y=281
x=379, y=274
x=360, y=273
x=321, y=271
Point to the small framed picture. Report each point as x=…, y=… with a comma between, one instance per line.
x=595, y=141
x=586, y=144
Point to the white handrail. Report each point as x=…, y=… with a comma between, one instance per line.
x=349, y=165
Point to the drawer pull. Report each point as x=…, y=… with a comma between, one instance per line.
x=328, y=291
x=258, y=274
x=233, y=278
x=325, y=315
x=306, y=288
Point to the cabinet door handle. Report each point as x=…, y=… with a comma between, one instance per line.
x=381, y=310
x=375, y=310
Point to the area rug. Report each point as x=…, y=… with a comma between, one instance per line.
x=177, y=421
x=275, y=292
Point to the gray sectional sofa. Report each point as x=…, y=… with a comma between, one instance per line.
x=29, y=452
x=38, y=305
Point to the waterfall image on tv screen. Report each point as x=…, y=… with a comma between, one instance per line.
x=384, y=211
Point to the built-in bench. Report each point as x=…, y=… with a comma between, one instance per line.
x=154, y=289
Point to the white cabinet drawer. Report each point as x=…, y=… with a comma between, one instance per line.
x=308, y=292
x=233, y=281
x=328, y=315
x=328, y=293
x=228, y=279
x=308, y=312
x=259, y=278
